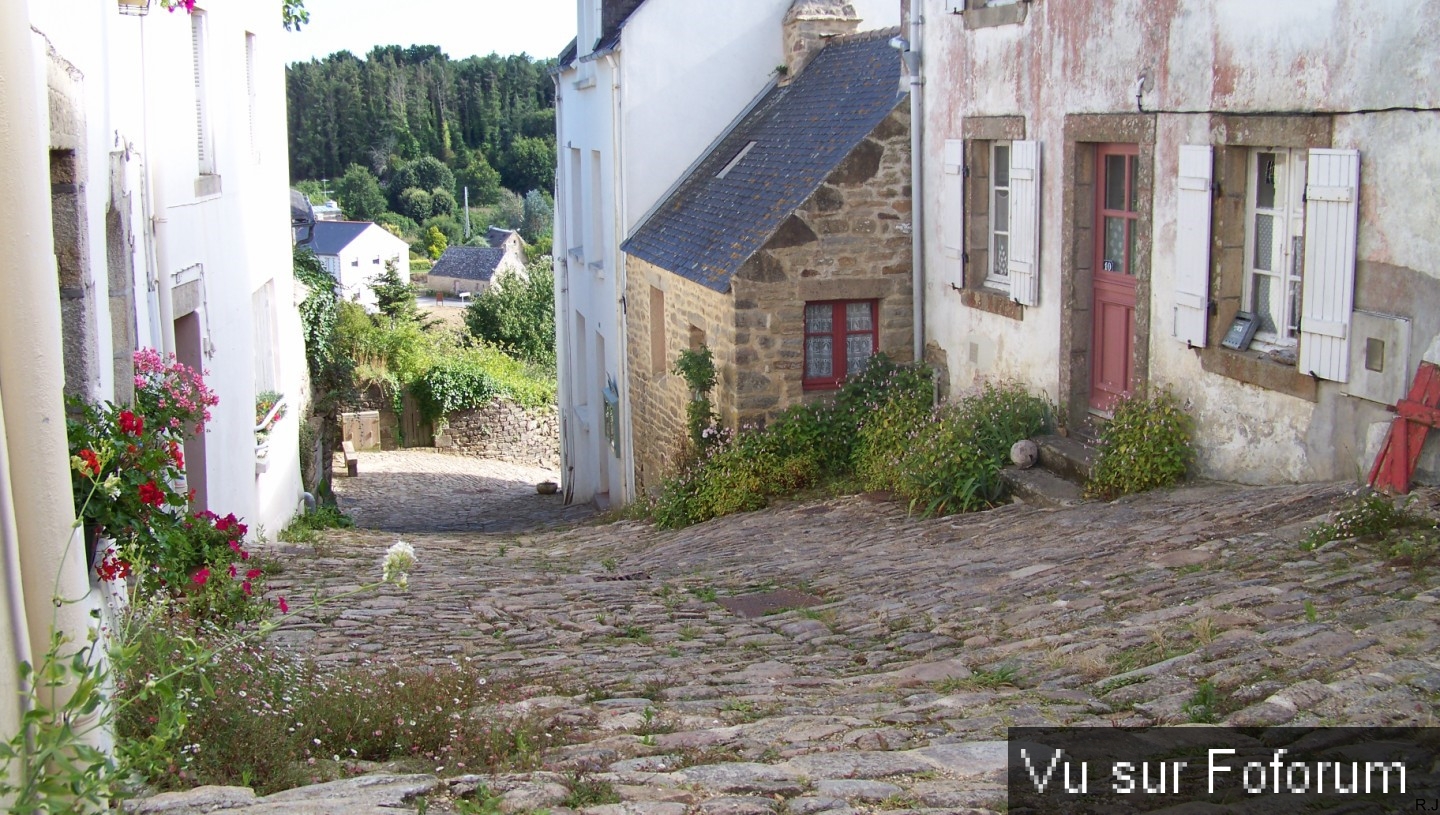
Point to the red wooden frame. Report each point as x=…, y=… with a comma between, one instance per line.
x=1416, y=415
x=838, y=334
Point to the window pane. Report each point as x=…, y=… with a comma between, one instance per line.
x=858, y=348
x=1002, y=211
x=819, y=357
x=1262, y=306
x=1115, y=182
x=1130, y=247
x=1115, y=245
x=1000, y=172
x=819, y=319
x=1265, y=181
x=1130, y=176
x=1002, y=256
x=1292, y=326
x=1264, y=242
x=857, y=317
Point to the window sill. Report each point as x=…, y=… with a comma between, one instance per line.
x=993, y=302
x=207, y=185
x=1254, y=368
x=993, y=16
x=821, y=385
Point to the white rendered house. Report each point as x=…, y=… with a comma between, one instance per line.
x=642, y=95
x=355, y=253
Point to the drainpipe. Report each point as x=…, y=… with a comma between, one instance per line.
x=50, y=560
x=622, y=286
x=910, y=54
x=561, y=266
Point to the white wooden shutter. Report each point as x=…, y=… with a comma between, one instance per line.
x=1025, y=222
x=952, y=209
x=1332, y=209
x=1192, y=244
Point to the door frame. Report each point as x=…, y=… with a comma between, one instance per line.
x=1083, y=135
x=1125, y=279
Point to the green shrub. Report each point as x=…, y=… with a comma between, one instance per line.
x=697, y=367
x=1145, y=446
x=517, y=314
x=1370, y=516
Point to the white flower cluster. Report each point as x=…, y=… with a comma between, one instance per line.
x=399, y=560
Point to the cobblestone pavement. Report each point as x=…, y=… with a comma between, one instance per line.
x=930, y=638
x=420, y=490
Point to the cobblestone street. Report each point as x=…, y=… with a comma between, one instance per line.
x=925, y=641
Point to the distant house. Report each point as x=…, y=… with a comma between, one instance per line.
x=354, y=253
x=473, y=268
x=785, y=251
x=505, y=238
x=329, y=211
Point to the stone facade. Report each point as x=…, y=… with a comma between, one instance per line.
x=849, y=241
x=503, y=430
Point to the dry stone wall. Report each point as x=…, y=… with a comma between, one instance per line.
x=503, y=430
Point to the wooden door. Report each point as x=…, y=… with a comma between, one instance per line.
x=1112, y=349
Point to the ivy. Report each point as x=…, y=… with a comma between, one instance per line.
x=453, y=384
x=697, y=368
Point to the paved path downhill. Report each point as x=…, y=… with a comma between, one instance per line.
x=927, y=640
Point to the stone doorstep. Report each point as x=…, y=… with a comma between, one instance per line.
x=1067, y=457
x=1040, y=487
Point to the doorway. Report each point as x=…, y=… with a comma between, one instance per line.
x=189, y=349
x=1114, y=278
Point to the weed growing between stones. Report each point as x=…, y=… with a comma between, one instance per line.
x=306, y=527
x=275, y=721
x=588, y=791
x=1203, y=706
x=1145, y=446
x=1401, y=535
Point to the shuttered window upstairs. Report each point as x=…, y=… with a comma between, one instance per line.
x=204, y=139
x=952, y=214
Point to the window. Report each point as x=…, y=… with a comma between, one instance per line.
x=997, y=272
x=657, y=331
x=204, y=139
x=840, y=338
x=1275, y=243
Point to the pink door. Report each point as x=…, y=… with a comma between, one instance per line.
x=1112, y=345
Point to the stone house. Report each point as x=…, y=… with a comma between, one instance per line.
x=472, y=269
x=786, y=250
x=1234, y=201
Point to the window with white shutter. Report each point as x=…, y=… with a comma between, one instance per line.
x=1192, y=244
x=204, y=140
x=1332, y=208
x=1024, y=260
x=952, y=226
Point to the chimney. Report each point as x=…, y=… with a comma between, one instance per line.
x=809, y=24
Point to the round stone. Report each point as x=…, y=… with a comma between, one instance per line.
x=1024, y=453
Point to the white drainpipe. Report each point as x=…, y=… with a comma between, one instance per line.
x=917, y=189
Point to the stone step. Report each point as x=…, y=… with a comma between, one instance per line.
x=1040, y=487
x=1066, y=457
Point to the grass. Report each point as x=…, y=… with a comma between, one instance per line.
x=306, y=527
x=1004, y=676
x=587, y=791
x=275, y=721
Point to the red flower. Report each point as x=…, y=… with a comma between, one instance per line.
x=112, y=568
x=201, y=576
x=92, y=462
x=245, y=587
x=252, y=574
x=151, y=494
x=233, y=570
x=131, y=424
x=177, y=455
x=236, y=546
x=284, y=606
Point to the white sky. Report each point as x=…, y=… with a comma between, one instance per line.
x=462, y=28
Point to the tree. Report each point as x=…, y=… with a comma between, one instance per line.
x=435, y=243
x=517, y=314
x=539, y=216
x=480, y=178
x=442, y=202
x=416, y=203
x=359, y=195
x=529, y=164
x=427, y=173
x=394, y=294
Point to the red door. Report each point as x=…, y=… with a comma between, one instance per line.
x=1112, y=344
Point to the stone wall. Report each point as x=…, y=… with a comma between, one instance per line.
x=849, y=241
x=692, y=314
x=503, y=430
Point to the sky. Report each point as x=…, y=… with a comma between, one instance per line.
x=462, y=28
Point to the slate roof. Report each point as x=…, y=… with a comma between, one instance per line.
x=495, y=236
x=710, y=226
x=468, y=263
x=333, y=236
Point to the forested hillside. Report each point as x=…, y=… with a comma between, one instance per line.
x=404, y=130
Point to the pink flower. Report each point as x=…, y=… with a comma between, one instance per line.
x=245, y=587
x=233, y=570
x=252, y=574
x=284, y=606
x=202, y=576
